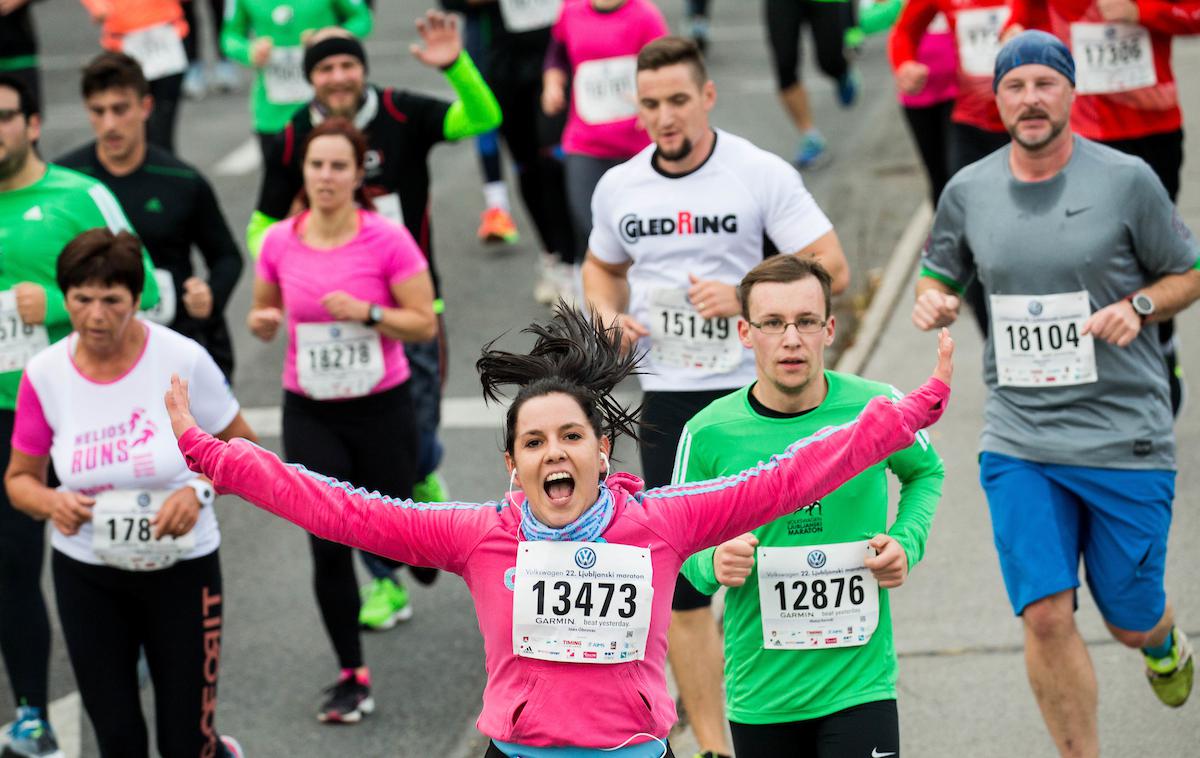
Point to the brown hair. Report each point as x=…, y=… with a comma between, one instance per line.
x=339, y=127
x=113, y=71
x=98, y=256
x=667, y=51
x=784, y=269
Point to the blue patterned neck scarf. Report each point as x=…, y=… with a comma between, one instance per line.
x=587, y=528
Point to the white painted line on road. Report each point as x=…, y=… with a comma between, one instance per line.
x=66, y=716
x=245, y=159
x=895, y=276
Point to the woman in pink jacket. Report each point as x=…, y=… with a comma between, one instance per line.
x=572, y=573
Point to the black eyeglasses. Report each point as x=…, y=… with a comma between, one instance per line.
x=779, y=326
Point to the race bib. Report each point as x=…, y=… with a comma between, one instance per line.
x=18, y=341
x=123, y=531
x=283, y=76
x=1112, y=57
x=338, y=359
x=939, y=24
x=817, y=597
x=978, y=33
x=158, y=49
x=606, y=90
x=526, y=15
x=680, y=338
x=1039, y=340
x=164, y=312
x=388, y=206
x=582, y=602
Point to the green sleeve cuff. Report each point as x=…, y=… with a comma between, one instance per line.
x=699, y=571
x=879, y=17
x=56, y=306
x=256, y=230
x=476, y=110
x=928, y=272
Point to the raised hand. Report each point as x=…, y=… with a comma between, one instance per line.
x=442, y=41
x=178, y=406
x=945, y=362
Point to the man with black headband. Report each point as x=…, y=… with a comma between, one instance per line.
x=1081, y=254
x=401, y=128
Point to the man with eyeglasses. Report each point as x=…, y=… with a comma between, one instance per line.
x=673, y=230
x=810, y=666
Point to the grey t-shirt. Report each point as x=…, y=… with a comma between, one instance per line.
x=1103, y=225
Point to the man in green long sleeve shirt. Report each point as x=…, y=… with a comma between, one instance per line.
x=268, y=36
x=810, y=666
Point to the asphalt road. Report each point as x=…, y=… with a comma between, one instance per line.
x=428, y=673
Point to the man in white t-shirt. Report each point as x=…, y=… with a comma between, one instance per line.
x=674, y=229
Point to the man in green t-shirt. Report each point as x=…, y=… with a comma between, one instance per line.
x=42, y=208
x=810, y=666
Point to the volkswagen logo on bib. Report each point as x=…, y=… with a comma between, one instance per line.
x=143, y=499
x=816, y=559
x=1035, y=308
x=585, y=558
x=335, y=332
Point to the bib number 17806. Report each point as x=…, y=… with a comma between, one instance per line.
x=566, y=598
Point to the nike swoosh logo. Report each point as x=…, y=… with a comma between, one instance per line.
x=1077, y=211
x=876, y=754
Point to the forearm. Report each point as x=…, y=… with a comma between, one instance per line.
x=224, y=263
x=914, y=516
x=408, y=324
x=1170, y=17
x=30, y=496
x=358, y=19
x=1172, y=294
x=256, y=230
x=235, y=42
x=476, y=111
x=700, y=572
x=827, y=249
x=607, y=292
x=927, y=282
x=879, y=17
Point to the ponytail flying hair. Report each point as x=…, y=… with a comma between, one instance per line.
x=574, y=355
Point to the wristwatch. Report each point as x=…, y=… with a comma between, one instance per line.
x=204, y=491
x=1143, y=306
x=374, y=315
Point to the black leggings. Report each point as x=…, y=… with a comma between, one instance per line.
x=867, y=729
x=827, y=21
x=191, y=43
x=495, y=752
x=930, y=128
x=24, y=624
x=174, y=615
x=369, y=442
x=160, y=128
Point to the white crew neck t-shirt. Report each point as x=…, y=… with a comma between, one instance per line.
x=117, y=435
x=710, y=222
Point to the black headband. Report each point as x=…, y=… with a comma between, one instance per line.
x=332, y=46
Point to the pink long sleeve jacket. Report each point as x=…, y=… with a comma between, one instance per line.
x=545, y=703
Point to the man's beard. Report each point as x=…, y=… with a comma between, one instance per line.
x=684, y=151
x=15, y=161
x=1055, y=130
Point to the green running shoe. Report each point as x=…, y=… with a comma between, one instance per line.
x=384, y=604
x=1171, y=678
x=431, y=489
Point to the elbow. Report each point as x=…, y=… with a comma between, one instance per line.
x=428, y=328
x=839, y=279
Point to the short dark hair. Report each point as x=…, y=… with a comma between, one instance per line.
x=667, y=51
x=784, y=269
x=26, y=100
x=110, y=70
x=98, y=256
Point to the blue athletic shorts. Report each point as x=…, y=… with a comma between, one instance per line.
x=1045, y=515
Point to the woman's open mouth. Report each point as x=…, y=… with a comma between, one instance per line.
x=559, y=487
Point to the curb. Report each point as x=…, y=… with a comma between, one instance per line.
x=904, y=257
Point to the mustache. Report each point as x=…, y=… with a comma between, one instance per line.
x=1033, y=113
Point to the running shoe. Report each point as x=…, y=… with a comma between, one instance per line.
x=847, y=88
x=1171, y=677
x=31, y=736
x=812, y=152
x=349, y=700
x=431, y=489
x=194, y=87
x=226, y=78
x=712, y=754
x=545, y=291
x=233, y=748
x=497, y=226
x=384, y=603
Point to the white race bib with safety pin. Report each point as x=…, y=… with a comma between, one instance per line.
x=123, y=531
x=680, y=338
x=164, y=312
x=817, y=597
x=606, y=89
x=978, y=33
x=338, y=359
x=158, y=49
x=1112, y=57
x=1039, y=340
x=283, y=76
x=18, y=341
x=526, y=15
x=582, y=602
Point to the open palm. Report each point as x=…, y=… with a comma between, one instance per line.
x=441, y=41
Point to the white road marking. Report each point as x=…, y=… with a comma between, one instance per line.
x=245, y=159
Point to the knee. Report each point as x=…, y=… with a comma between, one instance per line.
x=1050, y=618
x=1131, y=639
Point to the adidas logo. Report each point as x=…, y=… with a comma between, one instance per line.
x=34, y=214
x=154, y=205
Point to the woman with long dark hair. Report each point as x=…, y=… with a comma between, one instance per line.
x=572, y=571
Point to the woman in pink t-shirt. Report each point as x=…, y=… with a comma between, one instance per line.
x=354, y=287
x=594, y=45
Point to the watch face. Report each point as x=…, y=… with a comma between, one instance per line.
x=377, y=313
x=1143, y=304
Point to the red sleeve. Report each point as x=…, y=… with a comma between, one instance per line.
x=1181, y=17
x=32, y=434
x=910, y=28
x=1030, y=14
x=697, y=515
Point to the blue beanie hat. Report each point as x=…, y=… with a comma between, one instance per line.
x=1034, y=47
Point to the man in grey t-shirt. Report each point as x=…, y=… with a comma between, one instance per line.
x=1080, y=252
